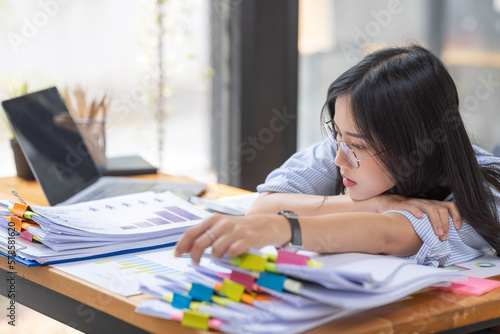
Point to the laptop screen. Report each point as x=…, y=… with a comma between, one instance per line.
x=51, y=143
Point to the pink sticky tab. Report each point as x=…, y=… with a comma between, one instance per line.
x=214, y=323
x=285, y=257
x=474, y=286
x=246, y=280
x=224, y=275
x=177, y=316
x=26, y=235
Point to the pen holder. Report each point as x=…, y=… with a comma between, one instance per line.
x=23, y=170
x=94, y=135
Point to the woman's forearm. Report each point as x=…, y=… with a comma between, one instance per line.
x=360, y=232
x=308, y=205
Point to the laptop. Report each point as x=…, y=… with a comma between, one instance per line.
x=59, y=158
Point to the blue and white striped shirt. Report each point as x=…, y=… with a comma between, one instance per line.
x=313, y=171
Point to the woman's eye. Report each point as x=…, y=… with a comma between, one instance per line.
x=358, y=147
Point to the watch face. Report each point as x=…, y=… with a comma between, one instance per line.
x=293, y=248
x=287, y=213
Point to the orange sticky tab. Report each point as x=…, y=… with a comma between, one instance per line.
x=247, y=299
x=19, y=209
x=25, y=224
x=218, y=286
x=262, y=298
x=195, y=319
x=17, y=222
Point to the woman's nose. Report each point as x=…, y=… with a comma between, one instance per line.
x=341, y=160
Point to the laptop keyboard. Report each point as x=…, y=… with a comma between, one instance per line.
x=115, y=189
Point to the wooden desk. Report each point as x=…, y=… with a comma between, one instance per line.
x=92, y=309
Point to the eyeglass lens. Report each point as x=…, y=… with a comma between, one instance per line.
x=349, y=153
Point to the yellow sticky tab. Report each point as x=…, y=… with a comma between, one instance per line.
x=315, y=264
x=195, y=319
x=232, y=290
x=253, y=262
x=168, y=297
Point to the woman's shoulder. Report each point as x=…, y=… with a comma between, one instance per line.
x=484, y=157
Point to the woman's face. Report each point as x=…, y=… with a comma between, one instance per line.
x=371, y=178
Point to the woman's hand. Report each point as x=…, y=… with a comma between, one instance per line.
x=233, y=235
x=437, y=211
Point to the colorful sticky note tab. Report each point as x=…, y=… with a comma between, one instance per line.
x=232, y=290
x=253, y=262
x=272, y=281
x=201, y=292
x=474, y=286
x=286, y=257
x=195, y=319
x=194, y=305
x=246, y=280
x=19, y=209
x=27, y=236
x=181, y=301
x=220, y=300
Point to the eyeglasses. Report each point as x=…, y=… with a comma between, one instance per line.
x=348, y=152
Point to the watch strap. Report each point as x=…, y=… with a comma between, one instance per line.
x=296, y=240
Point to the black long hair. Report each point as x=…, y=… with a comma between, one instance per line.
x=405, y=104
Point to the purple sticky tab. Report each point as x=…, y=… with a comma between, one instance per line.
x=246, y=280
x=285, y=257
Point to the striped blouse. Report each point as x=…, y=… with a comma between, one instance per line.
x=313, y=171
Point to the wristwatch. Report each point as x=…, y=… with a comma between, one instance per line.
x=296, y=243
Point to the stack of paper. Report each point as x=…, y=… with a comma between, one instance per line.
x=284, y=293
x=104, y=226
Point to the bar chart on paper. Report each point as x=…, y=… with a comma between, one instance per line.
x=122, y=274
x=482, y=267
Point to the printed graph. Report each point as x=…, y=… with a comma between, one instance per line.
x=170, y=215
x=140, y=265
x=123, y=274
x=457, y=267
x=485, y=264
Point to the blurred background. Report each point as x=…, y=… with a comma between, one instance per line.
x=113, y=47
x=168, y=67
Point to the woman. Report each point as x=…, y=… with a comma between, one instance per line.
x=400, y=147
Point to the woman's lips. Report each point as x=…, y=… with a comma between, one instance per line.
x=348, y=182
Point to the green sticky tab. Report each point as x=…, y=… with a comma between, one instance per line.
x=168, y=297
x=272, y=257
x=236, y=261
x=194, y=305
x=195, y=319
x=28, y=214
x=232, y=290
x=220, y=300
x=271, y=267
x=253, y=262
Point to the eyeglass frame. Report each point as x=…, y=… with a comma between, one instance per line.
x=343, y=146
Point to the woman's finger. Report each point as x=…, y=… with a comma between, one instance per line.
x=224, y=241
x=454, y=213
x=200, y=244
x=188, y=238
x=435, y=219
x=414, y=210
